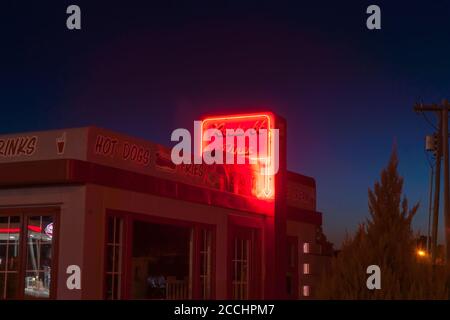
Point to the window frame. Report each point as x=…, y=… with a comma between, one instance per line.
x=249, y=228
x=25, y=213
x=122, y=258
x=128, y=219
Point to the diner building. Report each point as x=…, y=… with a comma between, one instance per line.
x=140, y=227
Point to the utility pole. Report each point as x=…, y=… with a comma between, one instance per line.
x=442, y=149
x=430, y=209
x=444, y=120
x=437, y=192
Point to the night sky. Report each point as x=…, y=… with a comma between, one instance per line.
x=147, y=67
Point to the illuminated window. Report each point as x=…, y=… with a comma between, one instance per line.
x=306, y=247
x=39, y=256
x=9, y=256
x=26, y=255
x=306, y=291
x=306, y=268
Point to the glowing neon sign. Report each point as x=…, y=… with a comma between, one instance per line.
x=49, y=230
x=262, y=162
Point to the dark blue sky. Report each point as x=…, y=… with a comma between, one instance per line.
x=148, y=67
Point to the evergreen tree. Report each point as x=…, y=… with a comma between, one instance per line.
x=386, y=240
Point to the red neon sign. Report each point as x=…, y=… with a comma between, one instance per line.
x=17, y=230
x=262, y=166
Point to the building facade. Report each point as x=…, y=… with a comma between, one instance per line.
x=139, y=227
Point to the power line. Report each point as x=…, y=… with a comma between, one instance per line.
x=430, y=161
x=428, y=120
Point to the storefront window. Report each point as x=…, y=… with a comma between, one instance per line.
x=161, y=261
x=39, y=256
x=168, y=260
x=9, y=256
x=28, y=254
x=114, y=258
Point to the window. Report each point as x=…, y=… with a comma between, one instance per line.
x=306, y=268
x=241, y=268
x=39, y=256
x=306, y=247
x=205, y=263
x=161, y=261
x=26, y=253
x=244, y=263
x=9, y=256
x=114, y=249
x=157, y=258
x=306, y=291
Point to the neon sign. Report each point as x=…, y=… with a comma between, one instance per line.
x=49, y=230
x=261, y=155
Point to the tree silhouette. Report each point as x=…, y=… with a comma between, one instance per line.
x=385, y=239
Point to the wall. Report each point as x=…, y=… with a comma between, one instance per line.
x=307, y=233
x=99, y=199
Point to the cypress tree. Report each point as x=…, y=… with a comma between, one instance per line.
x=386, y=239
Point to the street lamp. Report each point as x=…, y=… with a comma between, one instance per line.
x=421, y=253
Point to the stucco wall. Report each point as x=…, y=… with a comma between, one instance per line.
x=100, y=198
